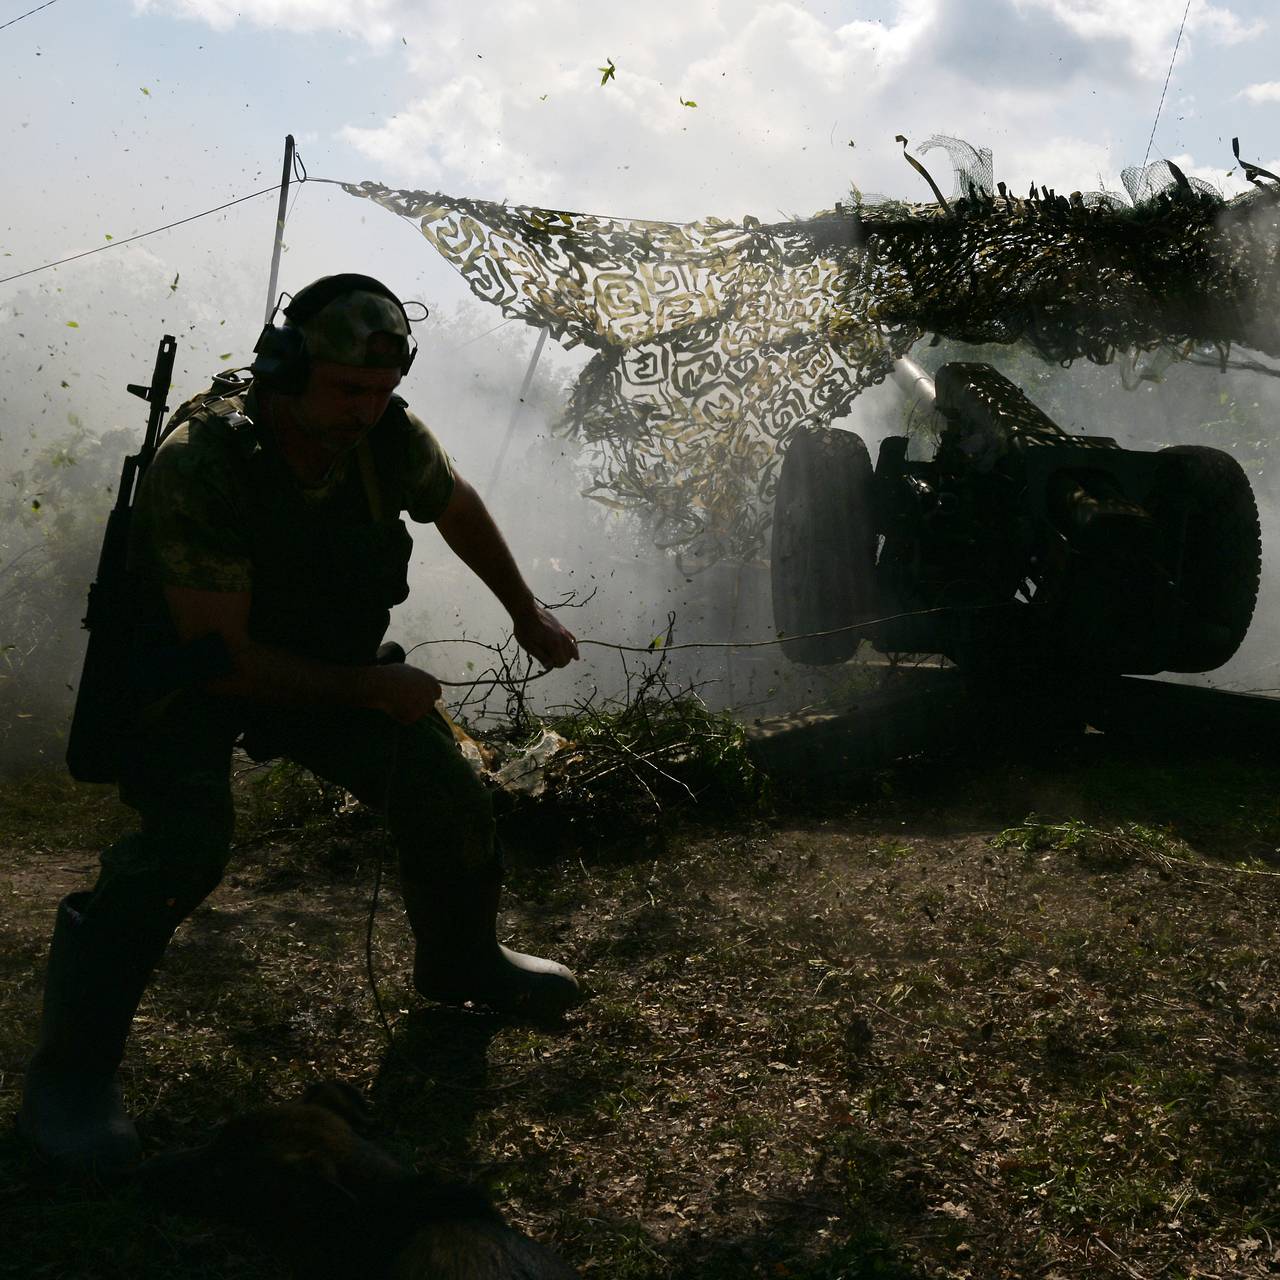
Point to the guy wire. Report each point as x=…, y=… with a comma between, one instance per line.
x=1165, y=90
x=28, y=14
x=142, y=235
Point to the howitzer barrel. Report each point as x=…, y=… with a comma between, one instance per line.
x=919, y=390
x=913, y=382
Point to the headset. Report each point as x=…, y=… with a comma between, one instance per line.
x=281, y=363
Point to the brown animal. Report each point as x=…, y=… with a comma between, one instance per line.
x=304, y=1177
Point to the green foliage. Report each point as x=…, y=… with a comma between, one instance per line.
x=284, y=796
x=1097, y=849
x=633, y=762
x=656, y=747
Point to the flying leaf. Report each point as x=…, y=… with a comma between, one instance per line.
x=147, y=92
x=543, y=98
x=656, y=643
x=72, y=324
x=226, y=355
x=110, y=237
x=607, y=71
x=174, y=286
x=687, y=102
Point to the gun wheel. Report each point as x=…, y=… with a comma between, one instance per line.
x=1205, y=503
x=824, y=545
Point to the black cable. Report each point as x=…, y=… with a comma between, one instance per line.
x=142, y=235
x=28, y=14
x=393, y=762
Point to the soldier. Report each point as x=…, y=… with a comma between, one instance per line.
x=268, y=527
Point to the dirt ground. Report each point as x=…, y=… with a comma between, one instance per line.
x=985, y=1015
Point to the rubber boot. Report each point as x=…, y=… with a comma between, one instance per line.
x=458, y=958
x=72, y=1111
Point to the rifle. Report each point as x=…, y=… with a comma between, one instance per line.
x=103, y=702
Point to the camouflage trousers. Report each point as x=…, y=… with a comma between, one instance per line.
x=178, y=777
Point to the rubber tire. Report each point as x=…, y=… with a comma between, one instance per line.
x=822, y=562
x=1222, y=554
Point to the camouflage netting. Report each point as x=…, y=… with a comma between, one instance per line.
x=715, y=340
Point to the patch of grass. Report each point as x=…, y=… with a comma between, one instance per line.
x=46, y=807
x=1115, y=849
x=885, y=853
x=283, y=798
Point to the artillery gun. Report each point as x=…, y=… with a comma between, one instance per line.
x=1017, y=547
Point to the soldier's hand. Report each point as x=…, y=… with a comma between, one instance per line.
x=541, y=635
x=405, y=693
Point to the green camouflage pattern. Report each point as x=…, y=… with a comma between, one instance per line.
x=717, y=341
x=191, y=521
x=340, y=331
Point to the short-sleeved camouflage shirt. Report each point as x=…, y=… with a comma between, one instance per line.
x=191, y=523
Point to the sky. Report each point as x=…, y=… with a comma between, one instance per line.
x=126, y=114
x=123, y=115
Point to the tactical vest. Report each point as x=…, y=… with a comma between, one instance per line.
x=326, y=574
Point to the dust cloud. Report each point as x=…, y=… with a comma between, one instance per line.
x=66, y=424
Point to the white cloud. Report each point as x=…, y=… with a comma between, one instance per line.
x=504, y=100
x=1150, y=27
x=372, y=20
x=455, y=131
x=1267, y=92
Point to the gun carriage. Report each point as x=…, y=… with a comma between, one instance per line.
x=1017, y=546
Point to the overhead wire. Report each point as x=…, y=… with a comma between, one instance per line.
x=28, y=14
x=1168, y=76
x=142, y=235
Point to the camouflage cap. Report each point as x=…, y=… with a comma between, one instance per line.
x=358, y=328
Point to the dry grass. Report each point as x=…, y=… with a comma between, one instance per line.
x=905, y=1031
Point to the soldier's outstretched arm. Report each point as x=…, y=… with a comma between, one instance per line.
x=474, y=537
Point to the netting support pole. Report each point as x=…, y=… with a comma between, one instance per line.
x=285, y=175
x=515, y=415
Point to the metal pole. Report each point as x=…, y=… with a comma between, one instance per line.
x=515, y=415
x=285, y=175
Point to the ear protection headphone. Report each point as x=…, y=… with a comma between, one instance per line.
x=281, y=362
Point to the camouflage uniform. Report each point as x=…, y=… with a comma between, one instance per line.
x=219, y=510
